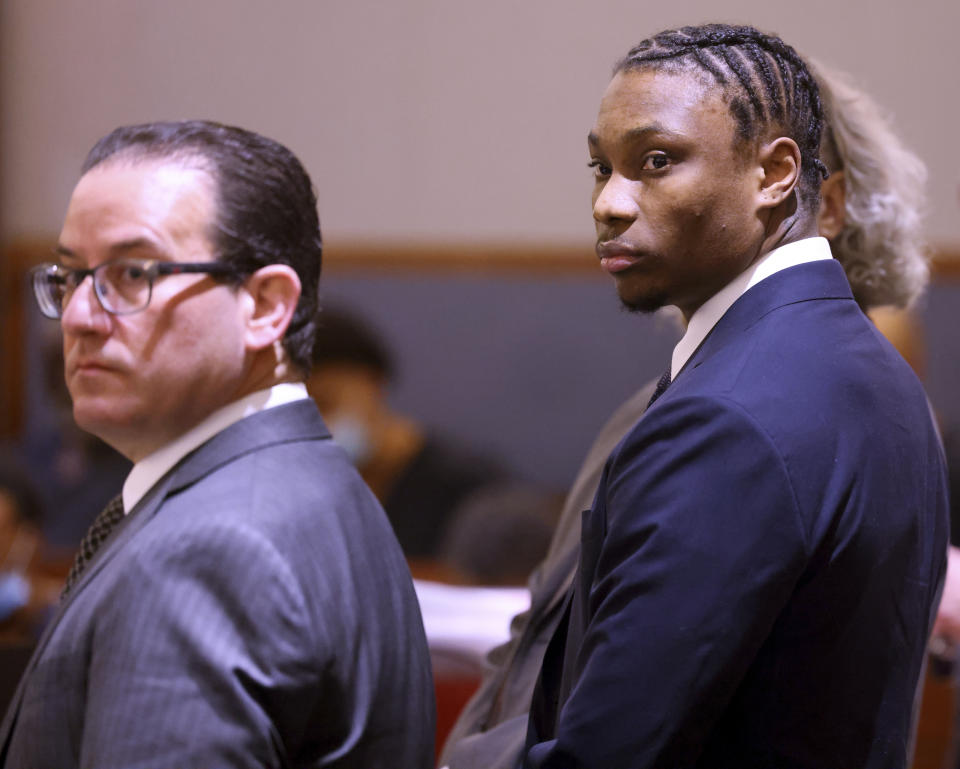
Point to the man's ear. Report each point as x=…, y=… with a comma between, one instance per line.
x=272, y=295
x=833, y=206
x=780, y=161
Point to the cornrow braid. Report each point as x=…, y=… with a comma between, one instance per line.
x=766, y=83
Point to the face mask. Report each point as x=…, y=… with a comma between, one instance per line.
x=14, y=593
x=352, y=436
x=14, y=587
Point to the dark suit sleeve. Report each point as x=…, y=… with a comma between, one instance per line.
x=693, y=550
x=195, y=651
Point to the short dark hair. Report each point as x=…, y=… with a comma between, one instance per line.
x=266, y=204
x=344, y=337
x=765, y=82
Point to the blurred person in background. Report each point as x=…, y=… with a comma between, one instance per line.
x=74, y=472
x=419, y=476
x=499, y=534
x=26, y=591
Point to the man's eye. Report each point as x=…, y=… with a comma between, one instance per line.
x=599, y=169
x=655, y=161
x=124, y=272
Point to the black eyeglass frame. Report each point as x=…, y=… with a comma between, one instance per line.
x=42, y=274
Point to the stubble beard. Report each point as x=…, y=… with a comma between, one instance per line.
x=643, y=305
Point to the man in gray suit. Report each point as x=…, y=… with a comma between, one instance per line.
x=244, y=603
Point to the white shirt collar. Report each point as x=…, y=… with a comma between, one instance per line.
x=706, y=317
x=152, y=467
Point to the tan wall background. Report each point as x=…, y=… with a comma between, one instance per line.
x=439, y=133
x=423, y=120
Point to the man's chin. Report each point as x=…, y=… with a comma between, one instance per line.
x=98, y=418
x=643, y=304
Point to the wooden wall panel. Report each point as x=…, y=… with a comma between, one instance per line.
x=501, y=259
x=14, y=263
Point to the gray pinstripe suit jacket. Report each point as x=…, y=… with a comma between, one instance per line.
x=254, y=610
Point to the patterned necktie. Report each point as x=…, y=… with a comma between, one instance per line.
x=96, y=535
x=662, y=386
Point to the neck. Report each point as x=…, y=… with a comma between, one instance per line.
x=264, y=370
x=268, y=368
x=787, y=225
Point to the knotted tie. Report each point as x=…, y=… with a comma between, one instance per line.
x=661, y=388
x=96, y=535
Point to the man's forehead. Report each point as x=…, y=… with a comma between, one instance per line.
x=647, y=88
x=155, y=176
x=642, y=101
x=149, y=199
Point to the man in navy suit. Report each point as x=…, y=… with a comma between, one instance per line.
x=244, y=602
x=762, y=560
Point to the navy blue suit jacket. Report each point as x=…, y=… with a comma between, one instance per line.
x=761, y=564
x=253, y=610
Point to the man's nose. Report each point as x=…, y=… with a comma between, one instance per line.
x=83, y=312
x=616, y=200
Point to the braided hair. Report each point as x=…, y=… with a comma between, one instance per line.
x=765, y=82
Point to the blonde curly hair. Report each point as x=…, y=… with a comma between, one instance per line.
x=881, y=246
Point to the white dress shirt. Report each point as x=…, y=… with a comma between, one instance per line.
x=706, y=317
x=152, y=467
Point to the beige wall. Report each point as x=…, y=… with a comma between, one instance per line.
x=425, y=119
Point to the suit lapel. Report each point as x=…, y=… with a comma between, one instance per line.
x=121, y=534
x=806, y=282
x=811, y=281
x=294, y=421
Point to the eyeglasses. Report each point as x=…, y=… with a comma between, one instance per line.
x=122, y=286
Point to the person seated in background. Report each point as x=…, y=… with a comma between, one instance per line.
x=419, y=477
x=25, y=595
x=499, y=534
x=871, y=213
x=31, y=573
x=75, y=473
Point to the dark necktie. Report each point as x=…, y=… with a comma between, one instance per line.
x=96, y=535
x=661, y=388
